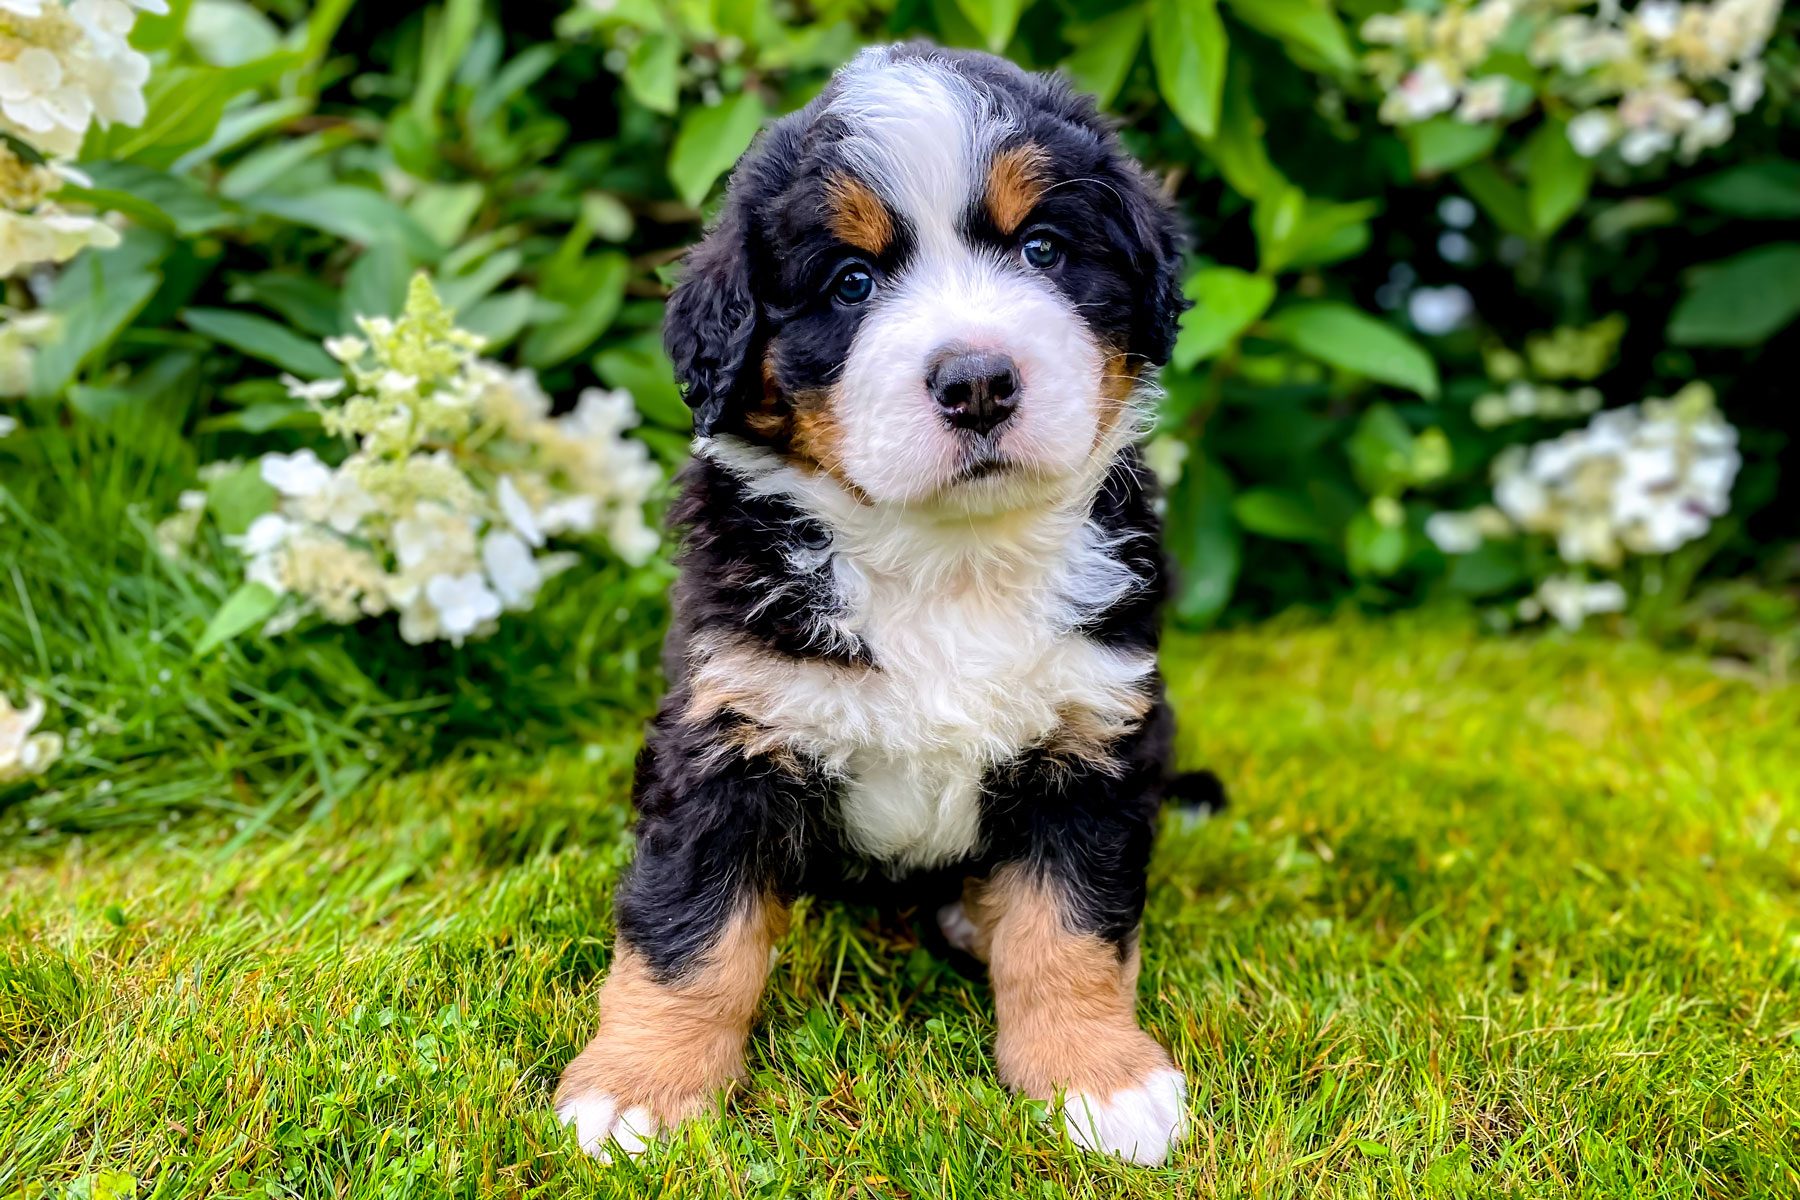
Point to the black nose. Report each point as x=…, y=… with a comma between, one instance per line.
x=977, y=390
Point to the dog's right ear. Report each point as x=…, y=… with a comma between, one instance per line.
x=711, y=324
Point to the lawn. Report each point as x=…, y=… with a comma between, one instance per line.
x=1485, y=917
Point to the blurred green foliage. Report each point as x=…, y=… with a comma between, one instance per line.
x=548, y=164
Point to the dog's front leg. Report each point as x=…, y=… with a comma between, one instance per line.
x=1065, y=998
x=697, y=919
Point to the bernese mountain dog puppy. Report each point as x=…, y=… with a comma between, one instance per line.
x=916, y=626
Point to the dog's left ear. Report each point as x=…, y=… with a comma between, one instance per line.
x=1159, y=239
x=711, y=324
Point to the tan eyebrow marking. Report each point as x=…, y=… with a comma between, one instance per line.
x=1016, y=182
x=856, y=215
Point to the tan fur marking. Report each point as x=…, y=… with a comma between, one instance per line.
x=1064, y=1001
x=1016, y=181
x=856, y=216
x=672, y=1046
x=1088, y=736
x=1118, y=381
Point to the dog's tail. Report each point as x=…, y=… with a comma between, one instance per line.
x=1194, y=793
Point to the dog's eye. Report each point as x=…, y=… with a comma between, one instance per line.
x=853, y=284
x=1040, y=252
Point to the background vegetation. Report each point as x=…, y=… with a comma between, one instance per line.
x=1488, y=916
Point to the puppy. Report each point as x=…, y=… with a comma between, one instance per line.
x=915, y=631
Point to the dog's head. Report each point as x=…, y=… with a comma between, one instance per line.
x=939, y=282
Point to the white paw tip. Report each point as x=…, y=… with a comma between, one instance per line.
x=600, y=1127
x=1138, y=1124
x=958, y=930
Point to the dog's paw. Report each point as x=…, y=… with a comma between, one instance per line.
x=602, y=1127
x=958, y=930
x=1138, y=1124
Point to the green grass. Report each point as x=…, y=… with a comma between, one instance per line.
x=1486, y=917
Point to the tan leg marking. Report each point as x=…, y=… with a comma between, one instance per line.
x=665, y=1050
x=1065, y=1003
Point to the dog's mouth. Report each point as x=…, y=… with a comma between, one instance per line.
x=985, y=467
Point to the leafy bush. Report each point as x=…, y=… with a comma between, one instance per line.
x=1423, y=238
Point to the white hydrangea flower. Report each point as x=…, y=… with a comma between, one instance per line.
x=458, y=478
x=511, y=569
x=463, y=603
x=1592, y=131
x=315, y=391
x=1646, y=479
x=1571, y=601
x=514, y=508
x=298, y=474
x=1665, y=77
x=1483, y=100
x=49, y=235
x=24, y=753
x=1454, y=532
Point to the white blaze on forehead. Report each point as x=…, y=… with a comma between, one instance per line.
x=921, y=134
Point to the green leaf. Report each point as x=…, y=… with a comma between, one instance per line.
x=1353, y=341
x=994, y=20
x=355, y=214
x=251, y=604
x=1202, y=534
x=307, y=303
x=230, y=33
x=240, y=126
x=97, y=296
x=1187, y=45
x=183, y=108
x=1309, y=28
x=261, y=338
x=645, y=371
x=709, y=141
x=1279, y=513
x=585, y=317
x=1372, y=548
x=1107, y=48
x=444, y=210
x=151, y=197
x=1239, y=150
x=1760, y=191
x=1381, y=451
x=652, y=73
x=236, y=499
x=375, y=285
x=1558, y=178
x=1372, y=1149
x=1500, y=198
x=500, y=318
x=1741, y=301
x=1226, y=302
x=1489, y=569
x=1447, y=144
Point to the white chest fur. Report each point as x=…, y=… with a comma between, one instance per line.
x=976, y=659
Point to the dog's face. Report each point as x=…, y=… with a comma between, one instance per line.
x=939, y=283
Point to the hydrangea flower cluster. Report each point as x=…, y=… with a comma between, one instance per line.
x=1665, y=76
x=1646, y=479
x=62, y=68
x=458, y=480
x=24, y=753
